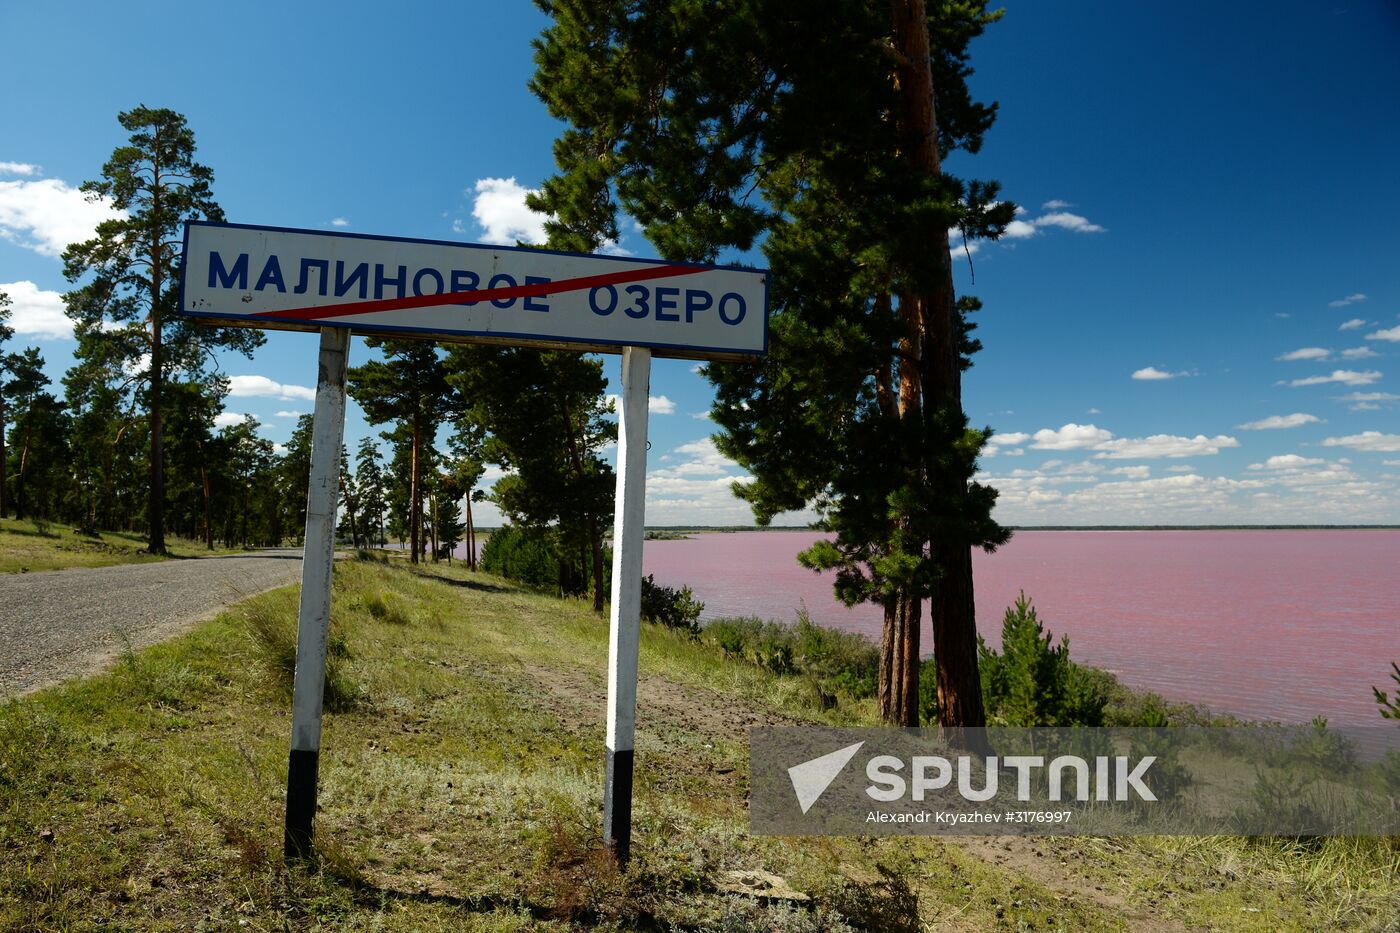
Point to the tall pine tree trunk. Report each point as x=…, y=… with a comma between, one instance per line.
x=414, y=524
x=471, y=535
x=156, y=510
x=954, y=627
x=2, y=452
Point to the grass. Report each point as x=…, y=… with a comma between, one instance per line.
x=27, y=546
x=461, y=789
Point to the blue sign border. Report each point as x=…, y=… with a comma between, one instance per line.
x=584, y=344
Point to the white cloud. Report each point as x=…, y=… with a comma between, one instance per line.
x=1358, y=353
x=1295, y=420
x=1023, y=229
x=1067, y=221
x=1347, y=377
x=1287, y=462
x=1019, y=229
x=340, y=222
x=1132, y=472
x=263, y=387
x=1306, y=353
x=290, y=414
x=701, y=416
x=1152, y=373
x=226, y=419
x=1370, y=441
x=1163, y=445
x=499, y=207
x=1070, y=437
x=1348, y=300
x=1369, y=397
x=660, y=405
x=35, y=312
x=18, y=168
x=1353, y=324
x=1391, y=334
x=1055, y=204
x=47, y=215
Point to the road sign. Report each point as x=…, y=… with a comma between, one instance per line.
x=305, y=279
x=336, y=283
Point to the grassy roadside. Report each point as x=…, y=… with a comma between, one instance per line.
x=461, y=789
x=27, y=547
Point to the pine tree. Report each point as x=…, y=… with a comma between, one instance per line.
x=124, y=310
x=408, y=386
x=544, y=417
x=813, y=123
x=369, y=481
x=6, y=367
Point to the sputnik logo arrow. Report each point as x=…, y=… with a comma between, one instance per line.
x=811, y=778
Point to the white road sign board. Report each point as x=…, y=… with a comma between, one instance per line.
x=280, y=278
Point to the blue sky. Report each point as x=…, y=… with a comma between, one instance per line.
x=1197, y=319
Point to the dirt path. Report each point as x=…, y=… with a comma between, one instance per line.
x=63, y=623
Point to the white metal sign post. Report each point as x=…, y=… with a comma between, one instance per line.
x=335, y=283
x=314, y=614
x=625, y=624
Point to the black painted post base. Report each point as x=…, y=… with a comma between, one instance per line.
x=617, y=805
x=302, y=770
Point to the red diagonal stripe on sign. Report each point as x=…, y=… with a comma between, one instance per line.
x=489, y=294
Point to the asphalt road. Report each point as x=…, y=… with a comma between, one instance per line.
x=63, y=623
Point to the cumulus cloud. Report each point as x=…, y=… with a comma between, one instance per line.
x=1295, y=420
x=226, y=419
x=1306, y=353
x=18, y=168
x=1287, y=462
x=263, y=387
x=1132, y=472
x=1348, y=300
x=1055, y=204
x=1346, y=377
x=499, y=207
x=1163, y=445
x=656, y=404
x=339, y=222
x=1152, y=373
x=1354, y=324
x=1021, y=229
x=1066, y=221
x=46, y=214
x=35, y=312
x=290, y=414
x=1369, y=397
x=1358, y=353
x=1006, y=444
x=1070, y=437
x=1391, y=334
x=1368, y=441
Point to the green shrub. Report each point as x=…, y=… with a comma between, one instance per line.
x=526, y=555
x=678, y=609
x=1033, y=682
x=836, y=662
x=272, y=625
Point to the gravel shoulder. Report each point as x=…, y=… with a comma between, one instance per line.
x=64, y=623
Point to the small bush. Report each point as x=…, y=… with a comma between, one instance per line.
x=1033, y=682
x=386, y=608
x=678, y=609
x=836, y=662
x=526, y=555
x=273, y=630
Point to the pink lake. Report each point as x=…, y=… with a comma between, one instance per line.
x=1265, y=624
